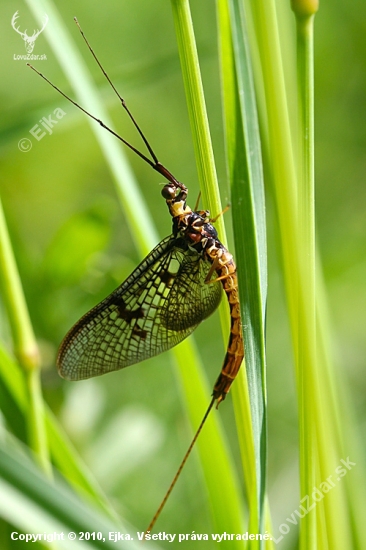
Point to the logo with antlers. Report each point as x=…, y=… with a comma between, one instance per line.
x=29, y=41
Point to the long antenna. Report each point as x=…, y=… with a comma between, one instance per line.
x=103, y=125
x=155, y=164
x=123, y=103
x=181, y=466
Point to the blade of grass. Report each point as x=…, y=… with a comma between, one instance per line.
x=245, y=173
x=316, y=416
x=197, y=110
x=65, y=457
x=25, y=346
x=224, y=496
x=30, y=501
x=306, y=352
x=338, y=404
x=285, y=184
x=317, y=420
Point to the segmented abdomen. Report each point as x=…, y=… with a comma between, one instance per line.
x=226, y=271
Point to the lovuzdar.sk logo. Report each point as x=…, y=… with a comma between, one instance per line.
x=29, y=41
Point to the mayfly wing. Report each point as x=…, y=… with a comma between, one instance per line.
x=158, y=305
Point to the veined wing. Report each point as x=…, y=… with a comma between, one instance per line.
x=158, y=305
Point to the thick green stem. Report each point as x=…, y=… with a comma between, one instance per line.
x=306, y=349
x=197, y=110
x=25, y=346
x=24, y=342
x=210, y=194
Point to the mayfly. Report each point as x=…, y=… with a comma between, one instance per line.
x=178, y=285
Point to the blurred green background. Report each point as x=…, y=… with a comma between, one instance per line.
x=73, y=246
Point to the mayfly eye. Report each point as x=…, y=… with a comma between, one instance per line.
x=168, y=192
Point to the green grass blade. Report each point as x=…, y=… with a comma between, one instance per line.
x=197, y=109
x=245, y=172
x=318, y=413
x=24, y=342
x=311, y=531
x=319, y=453
x=221, y=480
x=33, y=504
x=25, y=346
x=63, y=454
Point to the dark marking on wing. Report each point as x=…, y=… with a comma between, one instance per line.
x=124, y=312
x=158, y=305
x=139, y=332
x=167, y=277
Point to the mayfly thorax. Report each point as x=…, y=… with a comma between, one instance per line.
x=178, y=285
